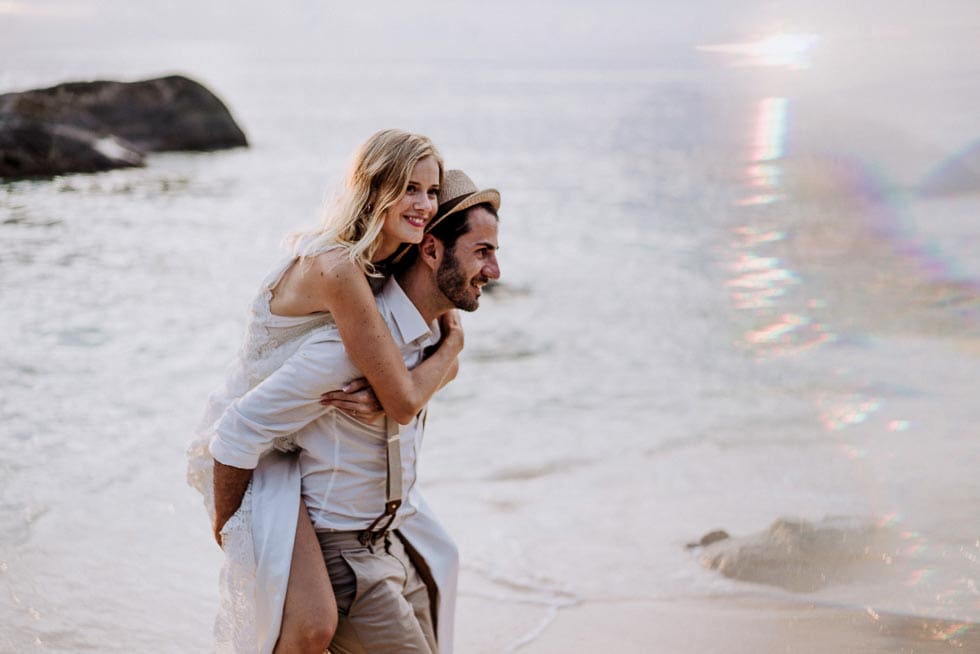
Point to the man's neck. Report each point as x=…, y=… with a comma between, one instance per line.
x=420, y=287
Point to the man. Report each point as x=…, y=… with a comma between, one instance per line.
x=358, y=480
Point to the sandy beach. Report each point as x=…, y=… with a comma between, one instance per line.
x=745, y=626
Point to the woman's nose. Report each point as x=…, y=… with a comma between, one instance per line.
x=425, y=203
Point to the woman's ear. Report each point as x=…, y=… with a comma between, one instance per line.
x=430, y=250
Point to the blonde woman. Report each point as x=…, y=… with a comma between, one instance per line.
x=388, y=197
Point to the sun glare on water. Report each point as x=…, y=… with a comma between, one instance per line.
x=786, y=50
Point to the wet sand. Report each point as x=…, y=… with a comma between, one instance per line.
x=745, y=626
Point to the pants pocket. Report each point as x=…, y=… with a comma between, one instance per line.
x=342, y=579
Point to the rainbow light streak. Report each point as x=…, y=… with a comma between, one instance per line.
x=887, y=520
x=761, y=281
x=848, y=414
x=757, y=299
x=761, y=284
x=770, y=130
x=898, y=425
x=751, y=236
x=768, y=145
x=958, y=173
x=791, y=333
x=916, y=549
x=918, y=577
x=951, y=632
x=779, y=330
x=766, y=178
x=865, y=181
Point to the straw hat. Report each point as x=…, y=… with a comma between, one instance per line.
x=459, y=193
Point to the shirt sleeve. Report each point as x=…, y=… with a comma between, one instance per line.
x=282, y=404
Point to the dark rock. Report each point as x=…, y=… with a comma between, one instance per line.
x=30, y=149
x=88, y=126
x=709, y=538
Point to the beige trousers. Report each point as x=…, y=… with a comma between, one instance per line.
x=382, y=601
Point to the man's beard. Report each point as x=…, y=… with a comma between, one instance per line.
x=454, y=284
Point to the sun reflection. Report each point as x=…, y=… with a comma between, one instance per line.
x=763, y=177
x=760, y=281
x=770, y=131
x=751, y=237
x=952, y=631
x=887, y=520
x=918, y=577
x=784, y=50
x=852, y=410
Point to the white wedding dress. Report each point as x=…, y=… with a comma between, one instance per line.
x=258, y=539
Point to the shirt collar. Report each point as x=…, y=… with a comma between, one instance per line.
x=407, y=323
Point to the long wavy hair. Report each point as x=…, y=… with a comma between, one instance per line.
x=376, y=179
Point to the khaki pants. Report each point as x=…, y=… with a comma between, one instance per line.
x=382, y=602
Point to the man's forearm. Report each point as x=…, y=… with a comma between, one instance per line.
x=230, y=484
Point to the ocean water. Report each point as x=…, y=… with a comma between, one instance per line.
x=739, y=282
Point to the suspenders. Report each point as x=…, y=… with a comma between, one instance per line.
x=393, y=484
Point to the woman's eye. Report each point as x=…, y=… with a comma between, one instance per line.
x=411, y=188
x=433, y=192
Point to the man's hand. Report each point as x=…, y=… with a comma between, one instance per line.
x=230, y=484
x=356, y=399
x=451, y=327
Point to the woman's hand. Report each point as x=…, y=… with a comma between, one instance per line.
x=356, y=399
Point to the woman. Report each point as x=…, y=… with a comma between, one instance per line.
x=388, y=197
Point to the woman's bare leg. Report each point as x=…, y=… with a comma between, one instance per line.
x=309, y=617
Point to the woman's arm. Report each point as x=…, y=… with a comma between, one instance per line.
x=358, y=400
x=331, y=282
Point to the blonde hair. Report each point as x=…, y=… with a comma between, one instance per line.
x=376, y=179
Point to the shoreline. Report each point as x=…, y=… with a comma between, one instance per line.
x=744, y=625
x=720, y=624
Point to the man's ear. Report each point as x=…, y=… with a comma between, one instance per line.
x=431, y=251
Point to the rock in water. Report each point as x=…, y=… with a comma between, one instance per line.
x=87, y=126
x=803, y=556
x=29, y=148
x=709, y=538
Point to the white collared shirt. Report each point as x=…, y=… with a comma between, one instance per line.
x=343, y=461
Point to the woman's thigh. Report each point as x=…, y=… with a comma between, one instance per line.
x=310, y=610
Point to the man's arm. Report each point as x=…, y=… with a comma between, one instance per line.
x=280, y=405
x=230, y=484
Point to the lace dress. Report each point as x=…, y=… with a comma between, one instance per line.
x=258, y=546
x=269, y=341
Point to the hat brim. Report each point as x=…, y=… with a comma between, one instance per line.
x=489, y=196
